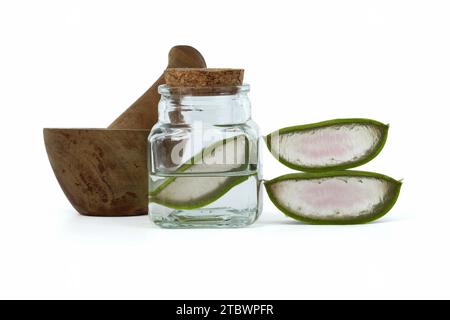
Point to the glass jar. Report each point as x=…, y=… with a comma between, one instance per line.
x=204, y=166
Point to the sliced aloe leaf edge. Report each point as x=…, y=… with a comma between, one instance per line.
x=165, y=192
x=225, y=185
x=348, y=188
x=295, y=155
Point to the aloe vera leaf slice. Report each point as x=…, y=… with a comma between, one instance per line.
x=190, y=192
x=329, y=145
x=227, y=155
x=195, y=192
x=337, y=197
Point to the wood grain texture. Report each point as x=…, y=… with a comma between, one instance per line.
x=143, y=113
x=102, y=172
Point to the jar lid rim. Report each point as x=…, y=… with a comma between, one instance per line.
x=165, y=89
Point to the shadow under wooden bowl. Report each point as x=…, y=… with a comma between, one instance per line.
x=103, y=172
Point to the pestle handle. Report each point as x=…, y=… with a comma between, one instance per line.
x=143, y=113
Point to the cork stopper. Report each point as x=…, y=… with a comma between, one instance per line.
x=203, y=77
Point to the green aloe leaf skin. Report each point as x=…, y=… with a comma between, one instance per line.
x=191, y=192
x=329, y=145
x=336, y=197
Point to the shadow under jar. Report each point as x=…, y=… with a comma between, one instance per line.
x=204, y=165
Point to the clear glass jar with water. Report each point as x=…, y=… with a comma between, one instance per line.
x=204, y=164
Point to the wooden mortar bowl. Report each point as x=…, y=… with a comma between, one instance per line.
x=103, y=172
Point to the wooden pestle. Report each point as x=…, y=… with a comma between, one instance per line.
x=143, y=113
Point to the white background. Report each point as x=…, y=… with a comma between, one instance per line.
x=81, y=63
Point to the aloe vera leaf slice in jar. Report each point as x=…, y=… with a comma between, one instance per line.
x=185, y=191
x=337, y=197
x=329, y=145
x=195, y=192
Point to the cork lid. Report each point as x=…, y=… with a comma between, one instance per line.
x=203, y=77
